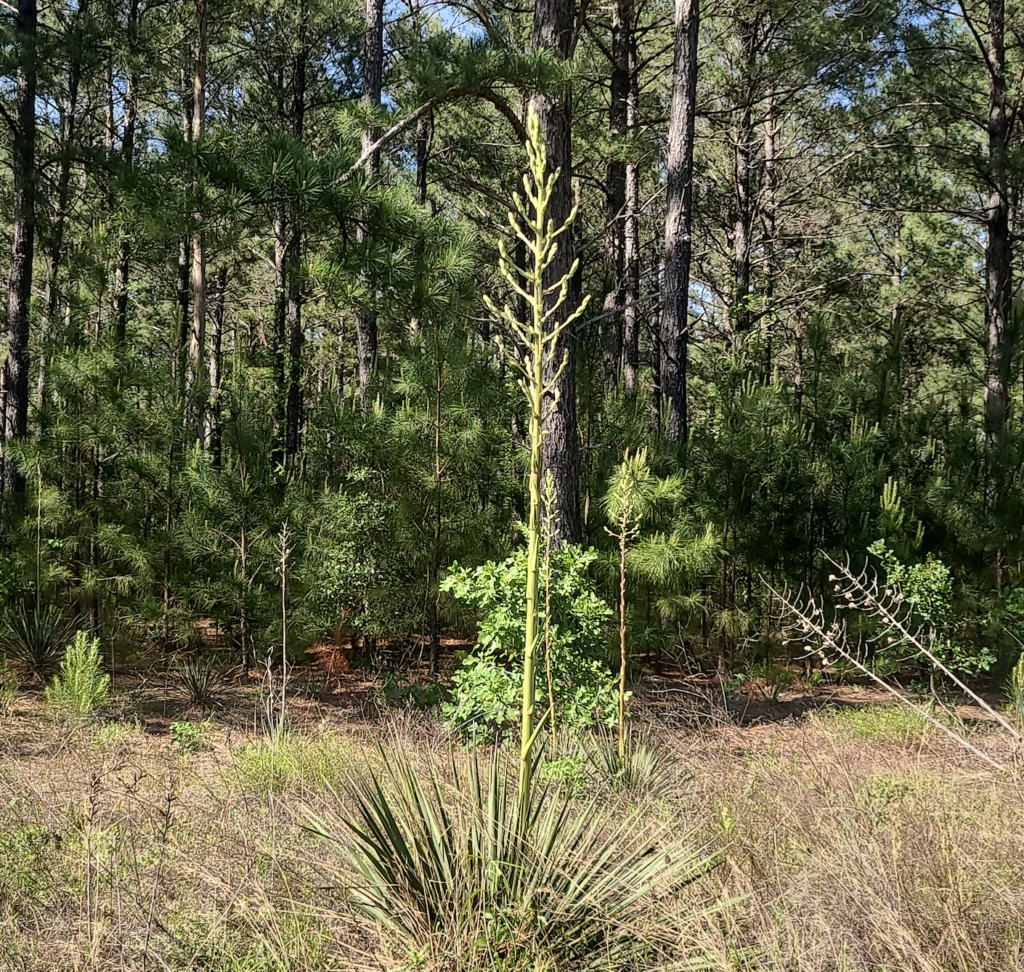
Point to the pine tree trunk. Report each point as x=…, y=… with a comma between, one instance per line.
x=280, y=335
x=213, y=430
x=373, y=81
x=770, y=230
x=123, y=270
x=197, y=339
x=553, y=26
x=16, y=369
x=679, y=220
x=998, y=274
x=615, y=191
x=296, y=334
x=743, y=134
x=631, y=254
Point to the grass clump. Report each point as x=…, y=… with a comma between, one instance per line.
x=81, y=685
x=292, y=761
x=880, y=724
x=8, y=688
x=447, y=867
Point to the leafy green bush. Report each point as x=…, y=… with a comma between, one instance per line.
x=81, y=685
x=928, y=587
x=422, y=695
x=488, y=684
x=445, y=866
x=190, y=737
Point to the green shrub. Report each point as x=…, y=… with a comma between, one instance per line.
x=488, y=685
x=445, y=866
x=81, y=685
x=190, y=737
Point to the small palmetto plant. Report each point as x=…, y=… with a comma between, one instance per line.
x=35, y=638
x=449, y=869
x=81, y=685
x=199, y=683
x=639, y=766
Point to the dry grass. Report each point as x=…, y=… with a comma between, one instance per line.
x=839, y=853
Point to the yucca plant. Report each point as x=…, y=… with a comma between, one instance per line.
x=35, y=638
x=198, y=683
x=81, y=685
x=634, y=763
x=447, y=866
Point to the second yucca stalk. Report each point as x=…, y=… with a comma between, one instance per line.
x=538, y=336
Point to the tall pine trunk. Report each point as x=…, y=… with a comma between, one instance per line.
x=998, y=273
x=679, y=221
x=197, y=338
x=631, y=253
x=296, y=334
x=553, y=25
x=615, y=193
x=24, y=217
x=373, y=81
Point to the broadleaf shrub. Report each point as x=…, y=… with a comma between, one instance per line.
x=488, y=683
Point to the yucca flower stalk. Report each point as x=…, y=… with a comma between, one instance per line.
x=538, y=335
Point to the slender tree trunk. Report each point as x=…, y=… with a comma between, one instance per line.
x=280, y=335
x=131, y=110
x=197, y=339
x=296, y=334
x=631, y=255
x=679, y=220
x=23, y=173
x=743, y=135
x=770, y=229
x=213, y=429
x=615, y=191
x=998, y=275
x=373, y=81
x=553, y=25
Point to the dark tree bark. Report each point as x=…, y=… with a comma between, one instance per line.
x=213, y=432
x=631, y=254
x=615, y=193
x=679, y=220
x=998, y=275
x=743, y=136
x=280, y=335
x=16, y=369
x=131, y=109
x=373, y=82
x=195, y=390
x=554, y=22
x=296, y=334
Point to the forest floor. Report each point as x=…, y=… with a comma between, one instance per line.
x=850, y=836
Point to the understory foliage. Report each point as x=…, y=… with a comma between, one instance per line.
x=81, y=685
x=488, y=682
x=457, y=879
x=231, y=318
